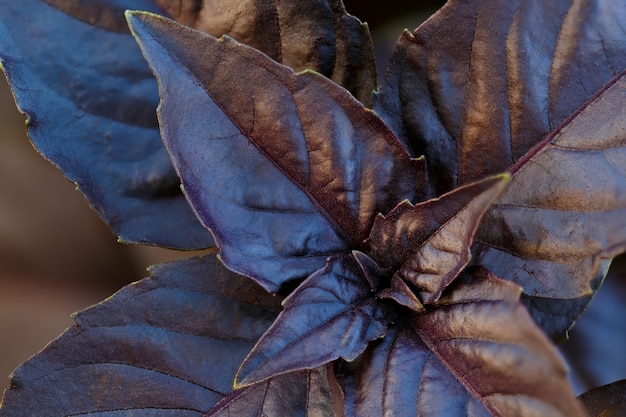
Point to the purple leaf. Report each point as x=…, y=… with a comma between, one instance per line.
x=172, y=342
x=307, y=34
x=554, y=238
x=401, y=293
x=595, y=348
x=331, y=315
x=483, y=82
x=430, y=242
x=286, y=169
x=606, y=401
x=477, y=353
x=312, y=393
x=90, y=99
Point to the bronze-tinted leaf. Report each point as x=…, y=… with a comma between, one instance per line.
x=476, y=353
x=554, y=238
x=257, y=144
x=311, y=393
x=305, y=34
x=169, y=344
x=606, y=401
x=429, y=243
x=104, y=14
x=79, y=77
x=401, y=293
x=482, y=81
x=479, y=85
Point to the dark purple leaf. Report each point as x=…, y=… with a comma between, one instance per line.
x=481, y=83
x=285, y=169
x=91, y=99
x=169, y=346
x=556, y=316
x=477, y=353
x=312, y=393
x=79, y=77
x=553, y=239
x=429, y=243
x=307, y=34
x=606, y=401
x=331, y=315
x=595, y=348
x=401, y=293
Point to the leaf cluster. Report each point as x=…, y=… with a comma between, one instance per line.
x=409, y=249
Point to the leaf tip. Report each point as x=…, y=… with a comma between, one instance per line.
x=498, y=182
x=132, y=17
x=501, y=179
x=587, y=291
x=309, y=71
x=407, y=32
x=504, y=177
x=242, y=381
x=237, y=385
x=139, y=19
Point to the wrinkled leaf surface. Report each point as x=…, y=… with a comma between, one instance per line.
x=168, y=345
x=79, y=77
x=477, y=354
x=429, y=243
x=553, y=239
x=90, y=98
x=331, y=315
x=310, y=34
x=285, y=169
x=483, y=82
x=312, y=393
x=606, y=401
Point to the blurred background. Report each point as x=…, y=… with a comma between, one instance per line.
x=57, y=257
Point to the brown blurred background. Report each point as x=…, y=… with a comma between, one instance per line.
x=56, y=255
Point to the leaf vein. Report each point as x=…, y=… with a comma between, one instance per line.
x=122, y=364
x=90, y=413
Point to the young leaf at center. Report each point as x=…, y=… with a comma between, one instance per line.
x=476, y=353
x=429, y=243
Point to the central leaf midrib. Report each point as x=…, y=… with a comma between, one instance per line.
x=343, y=233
